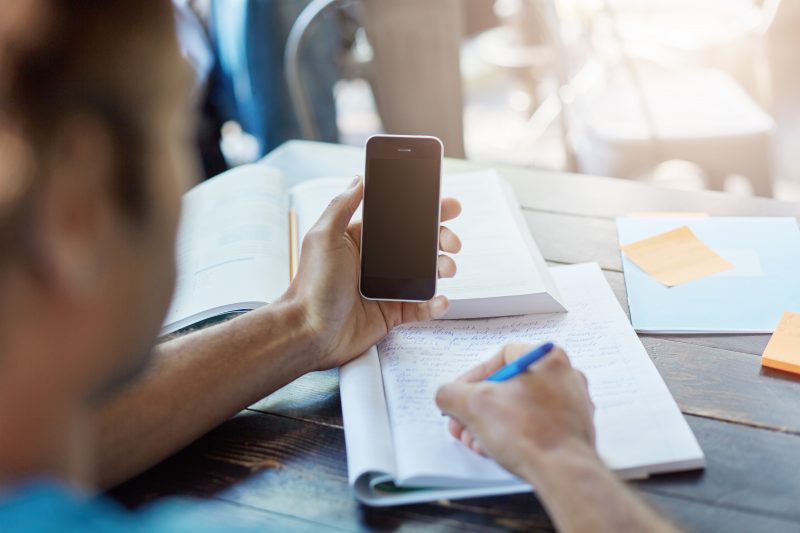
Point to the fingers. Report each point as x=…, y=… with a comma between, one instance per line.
x=449, y=241
x=508, y=353
x=455, y=428
x=451, y=208
x=354, y=229
x=467, y=439
x=453, y=399
x=433, y=309
x=583, y=379
x=551, y=399
x=447, y=267
x=459, y=432
x=555, y=361
x=484, y=369
x=585, y=382
x=513, y=351
x=477, y=448
x=337, y=215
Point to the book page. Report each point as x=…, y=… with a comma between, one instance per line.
x=233, y=243
x=639, y=427
x=494, y=260
x=310, y=198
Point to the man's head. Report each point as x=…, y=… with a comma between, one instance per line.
x=93, y=154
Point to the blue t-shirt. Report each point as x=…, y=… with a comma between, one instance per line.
x=46, y=506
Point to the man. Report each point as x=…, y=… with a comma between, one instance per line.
x=93, y=145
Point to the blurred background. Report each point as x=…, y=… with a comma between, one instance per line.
x=689, y=94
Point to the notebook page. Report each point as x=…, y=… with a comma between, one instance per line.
x=367, y=435
x=233, y=244
x=639, y=426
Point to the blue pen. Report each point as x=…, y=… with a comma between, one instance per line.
x=519, y=366
x=515, y=368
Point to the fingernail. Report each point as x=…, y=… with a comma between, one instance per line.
x=355, y=182
x=439, y=306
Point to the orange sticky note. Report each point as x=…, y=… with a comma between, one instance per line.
x=783, y=350
x=676, y=257
x=668, y=214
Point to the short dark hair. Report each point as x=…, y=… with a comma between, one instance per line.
x=81, y=56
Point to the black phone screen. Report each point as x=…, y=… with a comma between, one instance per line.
x=401, y=222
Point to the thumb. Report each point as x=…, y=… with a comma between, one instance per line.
x=337, y=215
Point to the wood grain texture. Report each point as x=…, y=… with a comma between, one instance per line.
x=297, y=468
x=228, y=515
x=313, y=397
x=693, y=516
x=568, y=239
x=597, y=197
x=747, y=470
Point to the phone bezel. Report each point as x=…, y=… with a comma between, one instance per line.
x=370, y=153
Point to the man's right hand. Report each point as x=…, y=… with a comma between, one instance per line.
x=539, y=426
x=525, y=422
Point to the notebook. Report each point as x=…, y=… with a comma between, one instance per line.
x=750, y=298
x=239, y=236
x=398, y=448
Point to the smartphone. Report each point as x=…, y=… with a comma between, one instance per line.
x=400, y=231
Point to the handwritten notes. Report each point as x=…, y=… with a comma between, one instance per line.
x=783, y=349
x=676, y=257
x=637, y=420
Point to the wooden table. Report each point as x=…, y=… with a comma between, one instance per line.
x=282, y=464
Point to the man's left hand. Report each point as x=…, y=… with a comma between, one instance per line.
x=344, y=324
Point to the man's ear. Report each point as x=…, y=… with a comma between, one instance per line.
x=74, y=221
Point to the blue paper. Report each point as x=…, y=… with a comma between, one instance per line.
x=748, y=299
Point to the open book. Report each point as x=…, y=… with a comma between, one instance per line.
x=239, y=237
x=398, y=448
